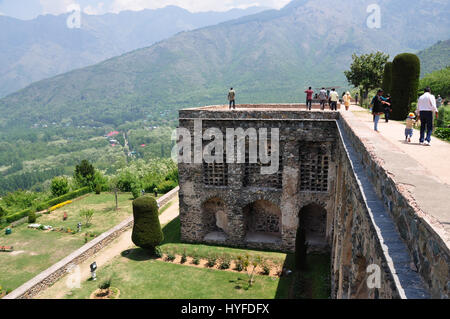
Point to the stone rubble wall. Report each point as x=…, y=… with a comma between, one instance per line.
x=49, y=276
x=430, y=253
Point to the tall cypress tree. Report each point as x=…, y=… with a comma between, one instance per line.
x=387, y=77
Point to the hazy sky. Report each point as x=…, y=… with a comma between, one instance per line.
x=29, y=9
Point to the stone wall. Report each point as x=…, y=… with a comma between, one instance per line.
x=430, y=254
x=298, y=130
x=51, y=275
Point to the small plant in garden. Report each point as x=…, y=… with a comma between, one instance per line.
x=158, y=252
x=170, y=257
x=105, y=284
x=184, y=257
x=265, y=268
x=239, y=264
x=87, y=214
x=225, y=263
x=211, y=261
x=196, y=260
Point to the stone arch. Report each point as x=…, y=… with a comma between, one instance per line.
x=214, y=219
x=313, y=221
x=262, y=221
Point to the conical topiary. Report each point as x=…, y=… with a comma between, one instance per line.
x=147, y=232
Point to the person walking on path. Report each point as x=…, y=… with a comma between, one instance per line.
x=334, y=98
x=356, y=98
x=231, y=98
x=347, y=99
x=439, y=101
x=309, y=93
x=378, y=108
x=426, y=107
x=387, y=108
x=323, y=96
x=409, y=127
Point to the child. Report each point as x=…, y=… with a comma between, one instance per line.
x=409, y=127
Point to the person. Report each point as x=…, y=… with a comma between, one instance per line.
x=347, y=99
x=409, y=127
x=387, y=108
x=378, y=108
x=334, y=98
x=309, y=93
x=356, y=98
x=231, y=98
x=426, y=106
x=323, y=96
x=439, y=101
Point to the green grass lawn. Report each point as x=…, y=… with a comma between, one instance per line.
x=36, y=250
x=139, y=276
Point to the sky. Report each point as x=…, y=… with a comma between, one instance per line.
x=29, y=9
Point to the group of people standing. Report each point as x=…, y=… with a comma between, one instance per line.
x=327, y=96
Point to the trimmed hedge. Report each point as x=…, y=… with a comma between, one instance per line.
x=18, y=215
x=443, y=133
x=147, y=231
x=63, y=198
x=387, y=78
x=405, y=83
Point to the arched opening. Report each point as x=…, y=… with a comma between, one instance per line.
x=215, y=220
x=313, y=222
x=262, y=220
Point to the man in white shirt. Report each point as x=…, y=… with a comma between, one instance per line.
x=427, y=107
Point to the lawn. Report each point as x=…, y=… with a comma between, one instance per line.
x=140, y=276
x=36, y=250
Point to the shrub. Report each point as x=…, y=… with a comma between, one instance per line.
x=84, y=174
x=105, y=284
x=166, y=186
x=443, y=133
x=387, y=77
x=196, y=260
x=87, y=214
x=239, y=264
x=98, y=189
x=31, y=217
x=158, y=252
x=59, y=186
x=64, y=198
x=184, y=257
x=18, y=215
x=444, y=117
x=136, y=191
x=170, y=257
x=266, y=269
x=147, y=231
x=405, y=83
x=211, y=261
x=224, y=264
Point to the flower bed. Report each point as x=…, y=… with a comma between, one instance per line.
x=59, y=205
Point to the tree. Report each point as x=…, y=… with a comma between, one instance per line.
x=31, y=217
x=59, y=186
x=84, y=174
x=367, y=70
x=147, y=232
x=387, y=77
x=405, y=83
x=87, y=214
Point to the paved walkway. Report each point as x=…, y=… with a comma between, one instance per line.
x=434, y=159
x=423, y=170
x=123, y=242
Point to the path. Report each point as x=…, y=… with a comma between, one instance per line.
x=433, y=159
x=423, y=170
x=123, y=242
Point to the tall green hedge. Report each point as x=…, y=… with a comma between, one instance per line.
x=63, y=198
x=387, y=77
x=147, y=232
x=405, y=83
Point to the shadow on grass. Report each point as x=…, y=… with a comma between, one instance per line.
x=137, y=254
x=313, y=282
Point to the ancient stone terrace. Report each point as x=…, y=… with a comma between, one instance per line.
x=330, y=182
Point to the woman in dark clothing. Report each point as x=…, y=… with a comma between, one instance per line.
x=379, y=103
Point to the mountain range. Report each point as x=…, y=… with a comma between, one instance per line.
x=32, y=50
x=271, y=56
x=436, y=57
